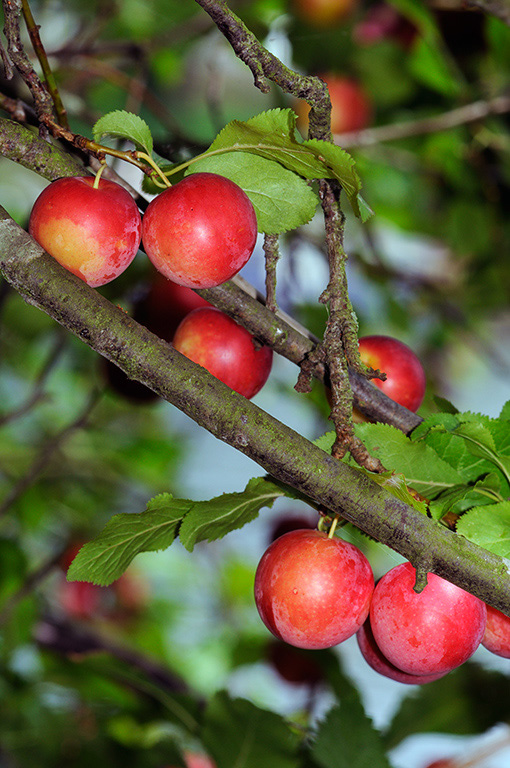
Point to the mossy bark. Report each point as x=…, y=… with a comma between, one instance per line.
x=282, y=452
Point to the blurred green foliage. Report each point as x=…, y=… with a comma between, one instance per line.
x=431, y=267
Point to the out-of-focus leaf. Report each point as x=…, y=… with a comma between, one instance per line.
x=346, y=738
x=238, y=733
x=468, y=700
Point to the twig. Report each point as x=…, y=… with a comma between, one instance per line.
x=31, y=582
x=51, y=85
x=271, y=256
x=65, y=637
x=470, y=113
x=42, y=100
x=46, y=453
x=38, y=388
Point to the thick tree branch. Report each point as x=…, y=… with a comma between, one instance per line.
x=283, y=453
x=23, y=146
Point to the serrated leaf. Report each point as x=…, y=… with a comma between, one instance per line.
x=282, y=200
x=445, y=405
x=240, y=734
x=104, y=559
x=505, y=411
x=120, y=124
x=394, y=482
x=210, y=520
x=463, y=497
x=347, y=737
x=488, y=526
x=337, y=164
x=473, y=443
x=272, y=135
x=423, y=469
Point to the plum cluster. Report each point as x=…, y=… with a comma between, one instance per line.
x=314, y=591
x=198, y=234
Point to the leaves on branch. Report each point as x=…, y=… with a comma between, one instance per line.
x=104, y=559
x=272, y=135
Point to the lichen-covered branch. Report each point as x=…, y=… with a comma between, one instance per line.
x=280, y=451
x=266, y=68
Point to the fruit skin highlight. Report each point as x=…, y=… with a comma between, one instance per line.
x=425, y=633
x=405, y=382
x=200, y=232
x=312, y=591
x=228, y=351
x=93, y=233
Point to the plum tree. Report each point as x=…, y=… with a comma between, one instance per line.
x=429, y=632
x=213, y=340
x=200, y=232
x=405, y=377
x=93, y=231
x=313, y=591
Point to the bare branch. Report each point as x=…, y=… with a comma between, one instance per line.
x=470, y=113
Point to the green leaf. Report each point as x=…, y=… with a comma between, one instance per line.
x=282, y=200
x=473, y=443
x=505, y=411
x=272, y=136
x=120, y=124
x=210, y=520
x=347, y=737
x=423, y=469
x=462, y=497
x=104, y=559
x=488, y=526
x=445, y=405
x=468, y=700
x=238, y=733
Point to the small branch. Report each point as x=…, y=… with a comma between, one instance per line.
x=272, y=255
x=471, y=113
x=297, y=344
x=498, y=8
x=42, y=99
x=46, y=454
x=38, y=389
x=31, y=582
x=51, y=85
x=71, y=639
x=266, y=68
